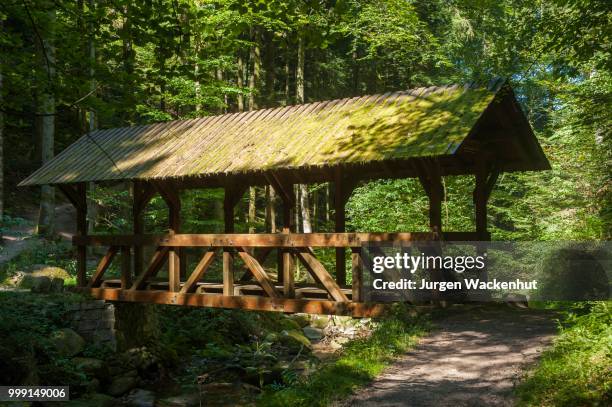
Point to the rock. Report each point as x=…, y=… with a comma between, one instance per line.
x=314, y=334
x=289, y=324
x=57, y=285
x=319, y=321
x=517, y=300
x=335, y=345
x=140, y=398
x=94, y=400
x=89, y=365
x=301, y=319
x=249, y=388
x=184, y=400
x=67, y=343
x=93, y=385
x=122, y=385
x=295, y=340
x=37, y=284
x=40, y=270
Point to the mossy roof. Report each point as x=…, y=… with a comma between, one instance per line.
x=421, y=122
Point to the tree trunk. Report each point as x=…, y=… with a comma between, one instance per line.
x=240, y=82
x=196, y=75
x=287, y=78
x=46, y=215
x=305, y=208
x=270, y=209
x=299, y=72
x=92, y=208
x=299, y=92
x=1, y=148
x=255, y=71
x=252, y=199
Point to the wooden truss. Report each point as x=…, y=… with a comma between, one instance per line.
x=255, y=289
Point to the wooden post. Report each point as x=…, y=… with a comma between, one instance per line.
x=77, y=195
x=229, y=201
x=126, y=267
x=357, y=275
x=480, y=200
x=138, y=221
x=286, y=261
x=340, y=225
x=431, y=181
x=81, y=207
x=172, y=198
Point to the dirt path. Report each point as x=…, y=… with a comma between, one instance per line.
x=474, y=359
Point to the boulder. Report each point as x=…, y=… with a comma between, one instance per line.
x=122, y=384
x=517, y=300
x=294, y=340
x=319, y=321
x=67, y=343
x=301, y=319
x=40, y=279
x=289, y=324
x=57, y=285
x=37, y=284
x=90, y=366
x=140, y=398
x=314, y=334
x=39, y=270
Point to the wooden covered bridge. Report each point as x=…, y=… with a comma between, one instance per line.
x=425, y=133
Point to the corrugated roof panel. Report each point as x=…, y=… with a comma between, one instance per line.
x=398, y=125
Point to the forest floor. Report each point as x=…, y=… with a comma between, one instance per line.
x=474, y=358
x=21, y=236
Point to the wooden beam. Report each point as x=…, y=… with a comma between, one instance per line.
x=318, y=271
x=198, y=272
x=103, y=265
x=264, y=239
x=156, y=263
x=287, y=305
x=260, y=274
x=261, y=257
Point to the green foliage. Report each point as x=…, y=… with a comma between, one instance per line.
x=26, y=322
x=576, y=371
x=361, y=360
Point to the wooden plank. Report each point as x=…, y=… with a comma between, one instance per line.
x=228, y=273
x=156, y=263
x=260, y=274
x=198, y=272
x=288, y=274
x=126, y=267
x=103, y=265
x=253, y=240
x=318, y=271
x=357, y=275
x=255, y=303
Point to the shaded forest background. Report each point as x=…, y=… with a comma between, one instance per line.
x=71, y=66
